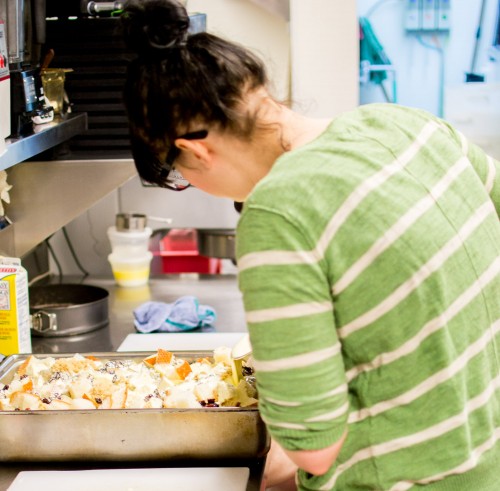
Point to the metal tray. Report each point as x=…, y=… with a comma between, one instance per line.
x=128, y=434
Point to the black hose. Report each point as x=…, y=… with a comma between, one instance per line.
x=73, y=253
x=53, y=254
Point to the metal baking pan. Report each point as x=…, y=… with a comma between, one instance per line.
x=67, y=309
x=129, y=434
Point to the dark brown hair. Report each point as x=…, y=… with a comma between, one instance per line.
x=179, y=79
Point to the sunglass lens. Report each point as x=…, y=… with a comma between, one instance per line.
x=176, y=181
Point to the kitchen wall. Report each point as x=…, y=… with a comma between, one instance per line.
x=418, y=66
x=430, y=69
x=312, y=59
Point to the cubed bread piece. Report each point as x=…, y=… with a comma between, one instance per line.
x=119, y=397
x=25, y=400
x=81, y=403
x=58, y=405
x=24, y=366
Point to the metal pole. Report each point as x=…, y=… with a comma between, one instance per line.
x=478, y=36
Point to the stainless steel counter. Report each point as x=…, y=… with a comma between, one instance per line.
x=218, y=291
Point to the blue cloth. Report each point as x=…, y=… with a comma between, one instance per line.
x=184, y=314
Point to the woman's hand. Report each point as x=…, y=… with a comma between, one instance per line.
x=317, y=462
x=282, y=465
x=279, y=472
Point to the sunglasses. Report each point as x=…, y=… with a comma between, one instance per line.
x=170, y=177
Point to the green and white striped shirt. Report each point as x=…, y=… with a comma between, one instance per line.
x=369, y=261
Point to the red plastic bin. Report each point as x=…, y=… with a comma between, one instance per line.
x=187, y=262
x=179, y=254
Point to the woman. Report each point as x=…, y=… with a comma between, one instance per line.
x=368, y=254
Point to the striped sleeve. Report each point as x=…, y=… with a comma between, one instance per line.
x=301, y=378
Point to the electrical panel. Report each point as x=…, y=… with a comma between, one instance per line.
x=412, y=21
x=423, y=16
x=443, y=15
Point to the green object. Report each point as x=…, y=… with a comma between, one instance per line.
x=372, y=51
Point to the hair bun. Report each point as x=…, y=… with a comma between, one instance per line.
x=152, y=25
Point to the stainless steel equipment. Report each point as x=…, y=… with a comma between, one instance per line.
x=67, y=309
x=15, y=35
x=95, y=8
x=26, y=35
x=195, y=435
x=218, y=243
x=27, y=101
x=98, y=77
x=130, y=221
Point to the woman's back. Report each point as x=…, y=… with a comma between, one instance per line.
x=391, y=235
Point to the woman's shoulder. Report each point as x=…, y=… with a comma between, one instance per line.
x=380, y=115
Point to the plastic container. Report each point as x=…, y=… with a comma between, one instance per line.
x=178, y=253
x=131, y=270
x=129, y=242
x=180, y=239
x=175, y=262
x=130, y=257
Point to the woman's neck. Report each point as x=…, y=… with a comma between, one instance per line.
x=281, y=130
x=299, y=130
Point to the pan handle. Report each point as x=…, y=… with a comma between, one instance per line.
x=42, y=321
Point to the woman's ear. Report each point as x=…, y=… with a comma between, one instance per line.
x=197, y=148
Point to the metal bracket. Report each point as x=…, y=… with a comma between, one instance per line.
x=42, y=321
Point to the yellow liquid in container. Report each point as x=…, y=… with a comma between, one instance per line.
x=131, y=271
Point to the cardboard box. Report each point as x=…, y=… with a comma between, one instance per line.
x=15, y=329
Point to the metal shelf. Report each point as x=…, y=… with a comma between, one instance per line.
x=46, y=136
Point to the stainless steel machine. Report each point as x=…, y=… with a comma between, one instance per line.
x=25, y=34
x=85, y=38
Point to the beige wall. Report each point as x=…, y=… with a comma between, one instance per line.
x=313, y=58
x=324, y=56
x=255, y=27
